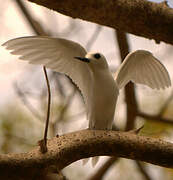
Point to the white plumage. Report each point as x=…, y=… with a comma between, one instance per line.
x=90, y=72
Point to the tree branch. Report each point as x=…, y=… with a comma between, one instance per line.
x=130, y=96
x=156, y=118
x=68, y=148
x=103, y=169
x=142, y=169
x=139, y=17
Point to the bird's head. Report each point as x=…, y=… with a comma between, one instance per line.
x=94, y=59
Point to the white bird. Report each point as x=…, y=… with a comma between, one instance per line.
x=90, y=72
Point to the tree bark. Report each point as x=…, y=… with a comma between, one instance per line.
x=68, y=148
x=139, y=17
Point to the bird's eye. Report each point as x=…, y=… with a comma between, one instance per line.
x=97, y=55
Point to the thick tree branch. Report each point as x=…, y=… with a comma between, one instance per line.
x=139, y=17
x=68, y=148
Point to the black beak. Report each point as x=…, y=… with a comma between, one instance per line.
x=83, y=59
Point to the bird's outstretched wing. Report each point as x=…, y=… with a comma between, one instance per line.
x=142, y=67
x=56, y=54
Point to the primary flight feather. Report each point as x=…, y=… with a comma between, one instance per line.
x=90, y=72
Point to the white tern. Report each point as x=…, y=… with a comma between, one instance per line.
x=90, y=72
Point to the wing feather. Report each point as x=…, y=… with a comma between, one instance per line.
x=157, y=76
x=143, y=68
x=153, y=78
x=57, y=54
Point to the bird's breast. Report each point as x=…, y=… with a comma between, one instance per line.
x=103, y=101
x=105, y=92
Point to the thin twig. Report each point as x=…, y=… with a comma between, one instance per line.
x=39, y=31
x=44, y=145
x=43, y=142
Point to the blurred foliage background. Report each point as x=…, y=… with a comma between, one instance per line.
x=23, y=92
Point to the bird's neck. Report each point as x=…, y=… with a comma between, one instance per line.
x=101, y=74
x=103, y=79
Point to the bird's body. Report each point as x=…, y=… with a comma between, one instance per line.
x=104, y=94
x=90, y=72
